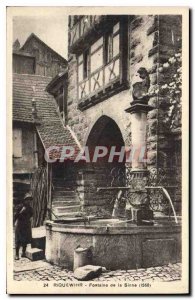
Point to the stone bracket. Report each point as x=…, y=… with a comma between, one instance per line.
x=138, y=107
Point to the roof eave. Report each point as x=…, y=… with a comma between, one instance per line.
x=55, y=81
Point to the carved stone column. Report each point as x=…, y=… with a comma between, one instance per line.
x=138, y=113
x=137, y=196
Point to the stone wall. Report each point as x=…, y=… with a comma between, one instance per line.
x=165, y=119
x=161, y=56
x=141, y=44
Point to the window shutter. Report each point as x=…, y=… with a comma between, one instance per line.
x=17, y=142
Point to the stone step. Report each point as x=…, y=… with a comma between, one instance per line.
x=68, y=196
x=64, y=192
x=65, y=198
x=38, y=237
x=64, y=202
x=35, y=254
x=68, y=215
x=65, y=209
x=25, y=183
x=64, y=182
x=65, y=187
x=68, y=187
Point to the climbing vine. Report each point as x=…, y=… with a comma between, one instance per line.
x=170, y=92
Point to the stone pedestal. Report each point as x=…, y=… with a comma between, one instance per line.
x=35, y=254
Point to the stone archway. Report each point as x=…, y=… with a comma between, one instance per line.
x=103, y=173
x=105, y=125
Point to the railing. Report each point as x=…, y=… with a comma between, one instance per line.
x=100, y=79
x=156, y=197
x=39, y=194
x=124, y=193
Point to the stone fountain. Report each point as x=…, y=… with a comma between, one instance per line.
x=116, y=243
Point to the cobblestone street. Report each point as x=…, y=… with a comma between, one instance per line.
x=24, y=269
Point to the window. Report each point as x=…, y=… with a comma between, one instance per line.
x=61, y=100
x=108, y=48
x=101, y=52
x=80, y=71
x=115, y=47
x=85, y=64
x=112, y=44
x=103, y=66
x=97, y=55
x=61, y=103
x=17, y=142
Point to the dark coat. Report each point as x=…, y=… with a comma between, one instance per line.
x=23, y=231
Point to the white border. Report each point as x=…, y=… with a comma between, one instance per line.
x=3, y=5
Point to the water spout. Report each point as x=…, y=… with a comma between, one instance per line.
x=171, y=203
x=116, y=204
x=168, y=198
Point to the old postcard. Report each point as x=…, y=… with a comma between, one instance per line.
x=97, y=180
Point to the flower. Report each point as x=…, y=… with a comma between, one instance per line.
x=166, y=65
x=165, y=86
x=172, y=60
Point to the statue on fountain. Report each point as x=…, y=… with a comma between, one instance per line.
x=141, y=86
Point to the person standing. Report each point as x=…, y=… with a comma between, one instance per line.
x=23, y=230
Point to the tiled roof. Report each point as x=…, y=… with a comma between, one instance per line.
x=49, y=124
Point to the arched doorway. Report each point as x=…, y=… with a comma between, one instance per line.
x=105, y=131
x=104, y=172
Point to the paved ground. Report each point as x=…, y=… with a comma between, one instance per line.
x=24, y=269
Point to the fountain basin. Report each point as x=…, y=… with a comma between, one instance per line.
x=115, y=244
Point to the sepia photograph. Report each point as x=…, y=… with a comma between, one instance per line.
x=98, y=168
